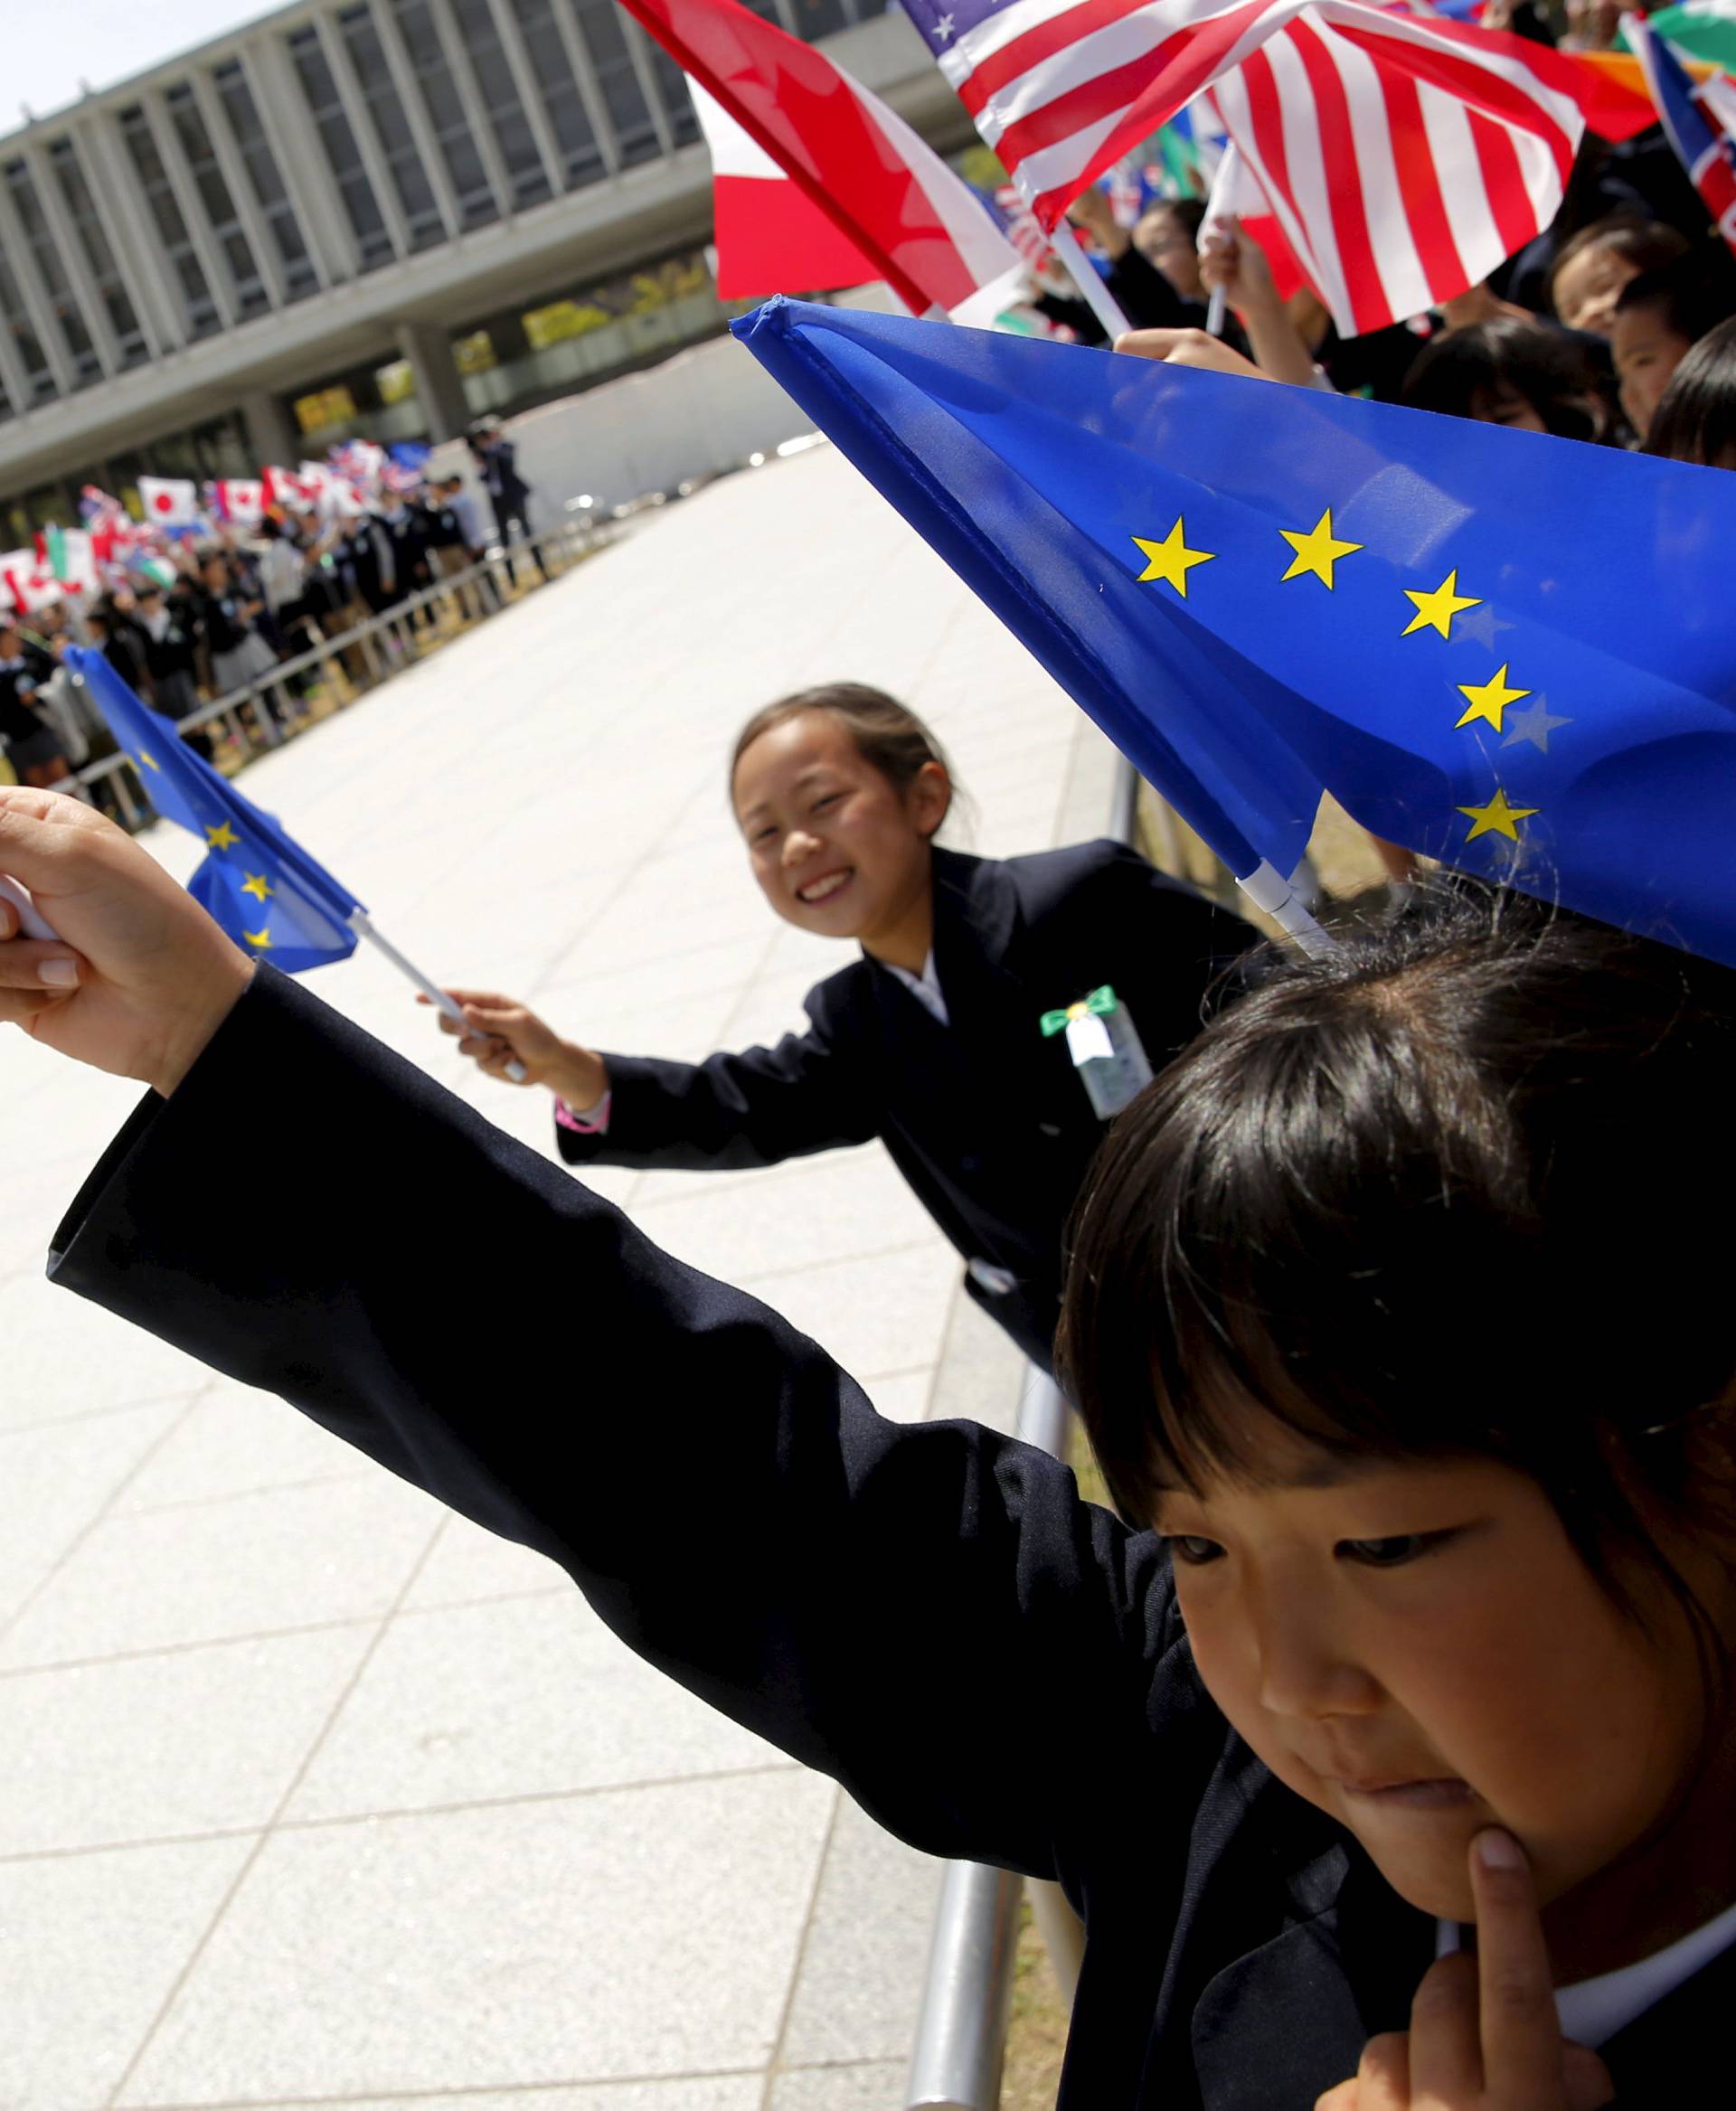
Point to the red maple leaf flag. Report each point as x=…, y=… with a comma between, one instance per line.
x=893, y=200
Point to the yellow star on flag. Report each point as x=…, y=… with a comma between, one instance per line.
x=1317, y=551
x=263, y=940
x=1436, y=611
x=221, y=837
x=149, y=760
x=1171, y=559
x=254, y=883
x=1489, y=700
x=1497, y=818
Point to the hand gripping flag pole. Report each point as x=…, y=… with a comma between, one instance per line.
x=257, y=882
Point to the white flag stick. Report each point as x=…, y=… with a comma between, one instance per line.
x=1084, y=275
x=430, y=988
x=1266, y=888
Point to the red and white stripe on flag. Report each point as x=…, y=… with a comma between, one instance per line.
x=1403, y=159
x=770, y=236
x=919, y=226
x=168, y=501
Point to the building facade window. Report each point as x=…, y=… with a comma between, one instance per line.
x=813, y=19
x=93, y=240
x=266, y=178
x=51, y=269
x=390, y=124
x=200, y=157
x=671, y=92
x=603, y=27
x=39, y=377
x=498, y=92
x=343, y=150
x=475, y=194
x=196, y=302
x=581, y=158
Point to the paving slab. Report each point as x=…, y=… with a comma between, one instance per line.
x=312, y=1795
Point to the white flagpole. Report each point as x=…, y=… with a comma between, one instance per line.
x=430, y=988
x=1266, y=888
x=1085, y=276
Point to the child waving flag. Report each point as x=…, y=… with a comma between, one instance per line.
x=1423, y=1615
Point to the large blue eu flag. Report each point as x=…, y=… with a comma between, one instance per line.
x=272, y=899
x=1509, y=651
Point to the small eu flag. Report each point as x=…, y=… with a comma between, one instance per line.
x=270, y=897
x=1505, y=651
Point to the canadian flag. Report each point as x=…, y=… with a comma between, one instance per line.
x=770, y=236
x=283, y=487
x=169, y=502
x=240, y=499
x=898, y=210
x=30, y=584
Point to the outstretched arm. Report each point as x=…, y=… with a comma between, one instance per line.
x=929, y=1613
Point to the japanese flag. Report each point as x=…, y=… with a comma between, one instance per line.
x=169, y=502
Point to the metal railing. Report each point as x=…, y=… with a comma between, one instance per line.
x=385, y=644
x=967, y=1994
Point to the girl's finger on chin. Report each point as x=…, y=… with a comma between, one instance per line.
x=30, y=964
x=1384, y=2078
x=1446, y=2057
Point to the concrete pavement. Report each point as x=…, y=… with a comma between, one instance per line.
x=313, y=1793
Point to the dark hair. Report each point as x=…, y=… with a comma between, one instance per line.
x=1646, y=244
x=1695, y=418
x=1507, y=356
x=1189, y=214
x=1440, y=1195
x=889, y=736
x=1691, y=295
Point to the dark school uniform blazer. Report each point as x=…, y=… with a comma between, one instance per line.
x=991, y=1667
x=985, y=1117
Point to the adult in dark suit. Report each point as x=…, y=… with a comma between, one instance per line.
x=828, y=1579
x=496, y=460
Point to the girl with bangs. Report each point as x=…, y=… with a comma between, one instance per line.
x=1386, y=1749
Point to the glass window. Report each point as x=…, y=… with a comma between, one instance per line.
x=25, y=343
x=87, y=225
x=439, y=93
x=671, y=92
x=391, y=127
x=266, y=180
x=499, y=93
x=581, y=158
x=201, y=156
x=200, y=308
x=603, y=27
x=51, y=271
x=813, y=19
x=336, y=135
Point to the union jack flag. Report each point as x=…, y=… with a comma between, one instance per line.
x=1699, y=118
x=1404, y=157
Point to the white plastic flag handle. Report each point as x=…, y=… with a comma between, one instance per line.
x=32, y=922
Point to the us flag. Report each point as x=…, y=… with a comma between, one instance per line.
x=1403, y=157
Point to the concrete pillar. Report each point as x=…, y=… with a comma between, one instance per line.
x=270, y=435
x=429, y=352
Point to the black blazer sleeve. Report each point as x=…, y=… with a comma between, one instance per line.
x=814, y=1091
x=929, y=1614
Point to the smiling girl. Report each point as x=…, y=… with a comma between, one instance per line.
x=931, y=1039
x=1398, y=1328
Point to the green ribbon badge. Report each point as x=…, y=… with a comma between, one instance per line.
x=1103, y=1001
